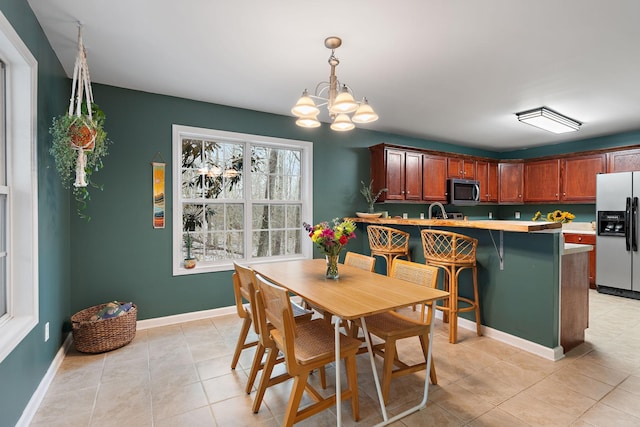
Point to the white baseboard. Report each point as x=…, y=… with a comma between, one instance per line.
x=517, y=342
x=36, y=398
x=184, y=317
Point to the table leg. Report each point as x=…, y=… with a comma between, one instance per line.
x=338, y=391
x=423, y=403
x=373, y=368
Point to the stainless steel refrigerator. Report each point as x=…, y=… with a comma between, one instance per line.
x=617, y=256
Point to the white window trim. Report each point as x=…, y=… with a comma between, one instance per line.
x=180, y=132
x=21, y=134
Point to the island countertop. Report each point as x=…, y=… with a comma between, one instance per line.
x=494, y=224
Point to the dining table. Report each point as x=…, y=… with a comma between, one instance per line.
x=355, y=294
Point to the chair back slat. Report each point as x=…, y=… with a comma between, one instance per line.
x=420, y=274
x=441, y=246
x=363, y=262
x=387, y=239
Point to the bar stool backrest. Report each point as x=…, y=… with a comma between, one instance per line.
x=441, y=246
x=387, y=239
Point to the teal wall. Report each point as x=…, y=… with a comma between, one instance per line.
x=23, y=369
x=118, y=255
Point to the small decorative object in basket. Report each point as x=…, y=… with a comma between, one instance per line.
x=104, y=327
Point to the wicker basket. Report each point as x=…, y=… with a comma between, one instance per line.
x=103, y=335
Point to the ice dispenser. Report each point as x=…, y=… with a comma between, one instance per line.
x=612, y=223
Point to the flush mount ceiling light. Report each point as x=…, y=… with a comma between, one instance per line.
x=549, y=120
x=336, y=96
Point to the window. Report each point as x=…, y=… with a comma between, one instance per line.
x=237, y=210
x=18, y=191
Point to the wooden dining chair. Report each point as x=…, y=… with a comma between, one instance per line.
x=391, y=327
x=244, y=290
x=306, y=346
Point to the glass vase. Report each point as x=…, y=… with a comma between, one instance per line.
x=332, y=267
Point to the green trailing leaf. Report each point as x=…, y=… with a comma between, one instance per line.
x=367, y=192
x=65, y=154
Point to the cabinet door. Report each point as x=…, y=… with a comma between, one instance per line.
x=579, y=177
x=542, y=181
x=461, y=168
x=434, y=178
x=413, y=176
x=394, y=166
x=487, y=175
x=585, y=239
x=510, y=182
x=623, y=161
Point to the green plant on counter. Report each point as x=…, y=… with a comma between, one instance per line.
x=367, y=192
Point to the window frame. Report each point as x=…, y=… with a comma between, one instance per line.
x=21, y=77
x=306, y=163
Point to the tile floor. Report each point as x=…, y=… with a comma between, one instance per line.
x=180, y=376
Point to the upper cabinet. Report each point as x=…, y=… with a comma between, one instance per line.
x=434, y=178
x=542, y=181
x=400, y=171
x=487, y=175
x=623, y=161
x=579, y=177
x=461, y=168
x=417, y=175
x=510, y=182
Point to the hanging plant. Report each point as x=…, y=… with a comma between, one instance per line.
x=79, y=140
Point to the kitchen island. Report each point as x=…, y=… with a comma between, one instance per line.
x=531, y=285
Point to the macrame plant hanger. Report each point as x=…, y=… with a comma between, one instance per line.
x=81, y=90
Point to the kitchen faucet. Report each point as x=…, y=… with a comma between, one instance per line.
x=444, y=214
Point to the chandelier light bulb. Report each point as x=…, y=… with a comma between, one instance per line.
x=308, y=121
x=344, y=102
x=365, y=113
x=342, y=123
x=305, y=106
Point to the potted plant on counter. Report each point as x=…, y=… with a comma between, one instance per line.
x=367, y=192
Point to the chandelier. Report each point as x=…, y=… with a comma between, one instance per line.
x=336, y=96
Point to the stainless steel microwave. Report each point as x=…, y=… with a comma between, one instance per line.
x=464, y=191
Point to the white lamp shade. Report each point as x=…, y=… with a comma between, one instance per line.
x=305, y=106
x=344, y=103
x=308, y=121
x=365, y=113
x=342, y=123
x=549, y=120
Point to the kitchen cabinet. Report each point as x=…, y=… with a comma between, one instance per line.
x=487, y=175
x=461, y=168
x=510, y=185
x=585, y=239
x=623, y=161
x=578, y=175
x=434, y=178
x=542, y=181
x=400, y=171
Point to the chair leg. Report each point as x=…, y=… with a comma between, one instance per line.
x=352, y=379
x=272, y=355
x=477, y=300
x=299, y=383
x=424, y=342
x=453, y=307
x=246, y=324
x=387, y=367
x=255, y=367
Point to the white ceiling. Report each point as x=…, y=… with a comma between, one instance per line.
x=446, y=70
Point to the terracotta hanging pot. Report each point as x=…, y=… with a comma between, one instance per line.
x=82, y=135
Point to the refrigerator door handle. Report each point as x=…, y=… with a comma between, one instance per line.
x=634, y=229
x=627, y=226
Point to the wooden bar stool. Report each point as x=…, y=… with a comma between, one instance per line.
x=453, y=253
x=388, y=243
